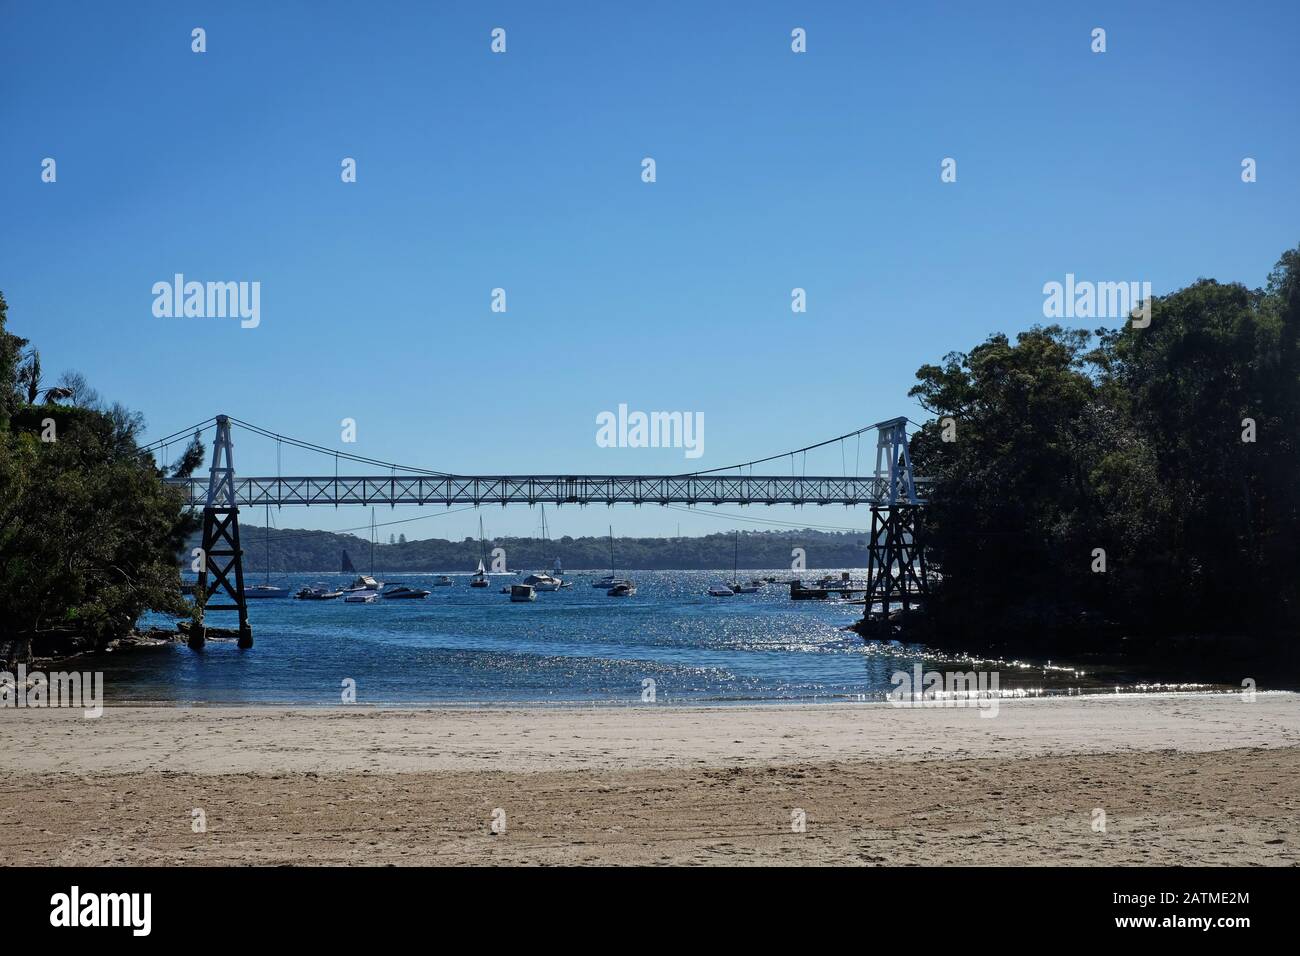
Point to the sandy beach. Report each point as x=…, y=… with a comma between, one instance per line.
x=1181, y=779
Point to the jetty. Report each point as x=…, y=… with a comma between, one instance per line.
x=846, y=587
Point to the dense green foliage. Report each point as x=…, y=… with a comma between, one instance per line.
x=11, y=348
x=1133, y=441
x=88, y=531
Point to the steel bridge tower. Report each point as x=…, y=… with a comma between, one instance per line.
x=896, y=569
x=222, y=555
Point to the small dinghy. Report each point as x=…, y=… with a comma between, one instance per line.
x=265, y=591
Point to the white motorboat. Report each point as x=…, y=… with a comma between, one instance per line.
x=402, y=591
x=362, y=597
x=521, y=593
x=364, y=583
x=721, y=590
x=542, y=581
x=317, y=593
x=442, y=581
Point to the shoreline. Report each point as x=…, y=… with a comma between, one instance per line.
x=271, y=739
x=669, y=703
x=1181, y=779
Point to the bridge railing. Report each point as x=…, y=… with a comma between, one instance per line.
x=548, y=489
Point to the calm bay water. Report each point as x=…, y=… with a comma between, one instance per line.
x=467, y=645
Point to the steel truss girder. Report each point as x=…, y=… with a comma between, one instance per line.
x=551, y=489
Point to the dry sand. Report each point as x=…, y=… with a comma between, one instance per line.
x=1185, y=779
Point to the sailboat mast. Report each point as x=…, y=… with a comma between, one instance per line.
x=611, y=551
x=268, y=543
x=372, y=542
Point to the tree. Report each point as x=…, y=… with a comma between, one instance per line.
x=79, y=390
x=190, y=459
x=11, y=348
x=89, y=533
x=29, y=376
x=1137, y=482
x=1011, y=509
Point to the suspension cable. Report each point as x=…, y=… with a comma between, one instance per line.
x=760, y=461
x=321, y=450
x=168, y=439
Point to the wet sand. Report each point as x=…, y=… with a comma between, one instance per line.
x=1184, y=779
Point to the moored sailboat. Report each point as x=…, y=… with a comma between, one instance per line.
x=365, y=583
x=266, y=589
x=735, y=585
x=617, y=588
x=480, y=579
x=540, y=580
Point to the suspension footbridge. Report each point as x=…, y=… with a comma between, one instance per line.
x=896, y=565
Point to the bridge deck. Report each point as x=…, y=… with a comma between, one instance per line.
x=547, y=489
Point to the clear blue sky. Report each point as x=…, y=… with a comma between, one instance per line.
x=522, y=171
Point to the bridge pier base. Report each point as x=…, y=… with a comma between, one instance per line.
x=222, y=556
x=224, y=559
x=896, y=571
x=896, y=568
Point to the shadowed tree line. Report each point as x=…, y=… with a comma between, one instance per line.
x=300, y=550
x=1170, y=452
x=88, y=531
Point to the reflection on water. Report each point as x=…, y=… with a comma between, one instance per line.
x=465, y=645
